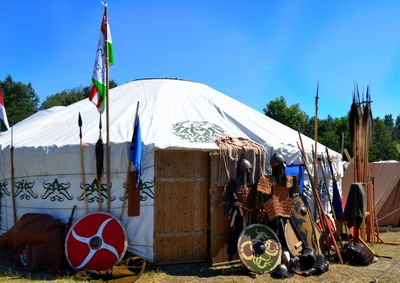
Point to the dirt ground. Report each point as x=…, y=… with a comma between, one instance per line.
x=383, y=270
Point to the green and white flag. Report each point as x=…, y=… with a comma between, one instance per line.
x=97, y=93
x=3, y=116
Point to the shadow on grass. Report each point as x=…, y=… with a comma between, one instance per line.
x=8, y=272
x=201, y=270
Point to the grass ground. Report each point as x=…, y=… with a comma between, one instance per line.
x=384, y=270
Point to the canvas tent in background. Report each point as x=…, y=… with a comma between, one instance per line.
x=386, y=176
x=180, y=121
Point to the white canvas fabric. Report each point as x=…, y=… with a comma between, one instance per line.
x=174, y=114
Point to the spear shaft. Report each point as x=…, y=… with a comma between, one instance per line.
x=82, y=163
x=99, y=165
x=13, y=177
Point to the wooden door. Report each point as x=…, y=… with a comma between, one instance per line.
x=181, y=206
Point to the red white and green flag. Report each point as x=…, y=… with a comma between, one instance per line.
x=97, y=93
x=3, y=116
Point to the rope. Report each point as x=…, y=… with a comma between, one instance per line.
x=388, y=214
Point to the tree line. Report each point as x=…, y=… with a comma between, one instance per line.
x=385, y=136
x=21, y=101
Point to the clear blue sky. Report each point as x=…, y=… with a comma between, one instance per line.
x=253, y=51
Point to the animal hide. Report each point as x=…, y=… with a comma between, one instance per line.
x=35, y=242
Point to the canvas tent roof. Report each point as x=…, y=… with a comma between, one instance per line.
x=387, y=190
x=168, y=110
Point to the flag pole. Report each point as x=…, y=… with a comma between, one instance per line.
x=108, y=162
x=129, y=168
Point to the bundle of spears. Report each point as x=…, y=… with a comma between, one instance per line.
x=360, y=126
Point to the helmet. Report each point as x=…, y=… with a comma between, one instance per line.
x=307, y=258
x=277, y=158
x=280, y=272
x=244, y=164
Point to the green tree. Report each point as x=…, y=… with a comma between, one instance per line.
x=396, y=129
x=20, y=100
x=381, y=139
x=292, y=116
x=69, y=96
x=388, y=121
x=63, y=98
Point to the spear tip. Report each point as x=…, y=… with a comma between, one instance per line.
x=79, y=120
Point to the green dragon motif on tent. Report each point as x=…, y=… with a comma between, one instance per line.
x=24, y=190
x=56, y=191
x=3, y=190
x=145, y=191
x=91, y=192
x=197, y=131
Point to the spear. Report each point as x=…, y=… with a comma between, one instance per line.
x=316, y=140
x=99, y=164
x=320, y=160
x=82, y=163
x=12, y=177
x=317, y=201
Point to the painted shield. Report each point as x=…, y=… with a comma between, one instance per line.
x=259, y=248
x=301, y=219
x=293, y=240
x=97, y=241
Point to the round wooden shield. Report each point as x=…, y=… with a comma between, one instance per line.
x=259, y=248
x=97, y=241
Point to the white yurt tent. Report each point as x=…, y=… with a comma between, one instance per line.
x=178, y=118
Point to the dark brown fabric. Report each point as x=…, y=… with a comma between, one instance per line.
x=133, y=195
x=231, y=150
x=38, y=239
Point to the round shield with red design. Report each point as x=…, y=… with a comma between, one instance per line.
x=97, y=241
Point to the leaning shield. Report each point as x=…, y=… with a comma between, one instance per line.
x=259, y=248
x=293, y=240
x=303, y=224
x=97, y=241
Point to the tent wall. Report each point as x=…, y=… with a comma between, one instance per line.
x=37, y=190
x=386, y=176
x=181, y=206
x=389, y=214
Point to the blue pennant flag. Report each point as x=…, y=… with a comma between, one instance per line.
x=136, y=149
x=337, y=202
